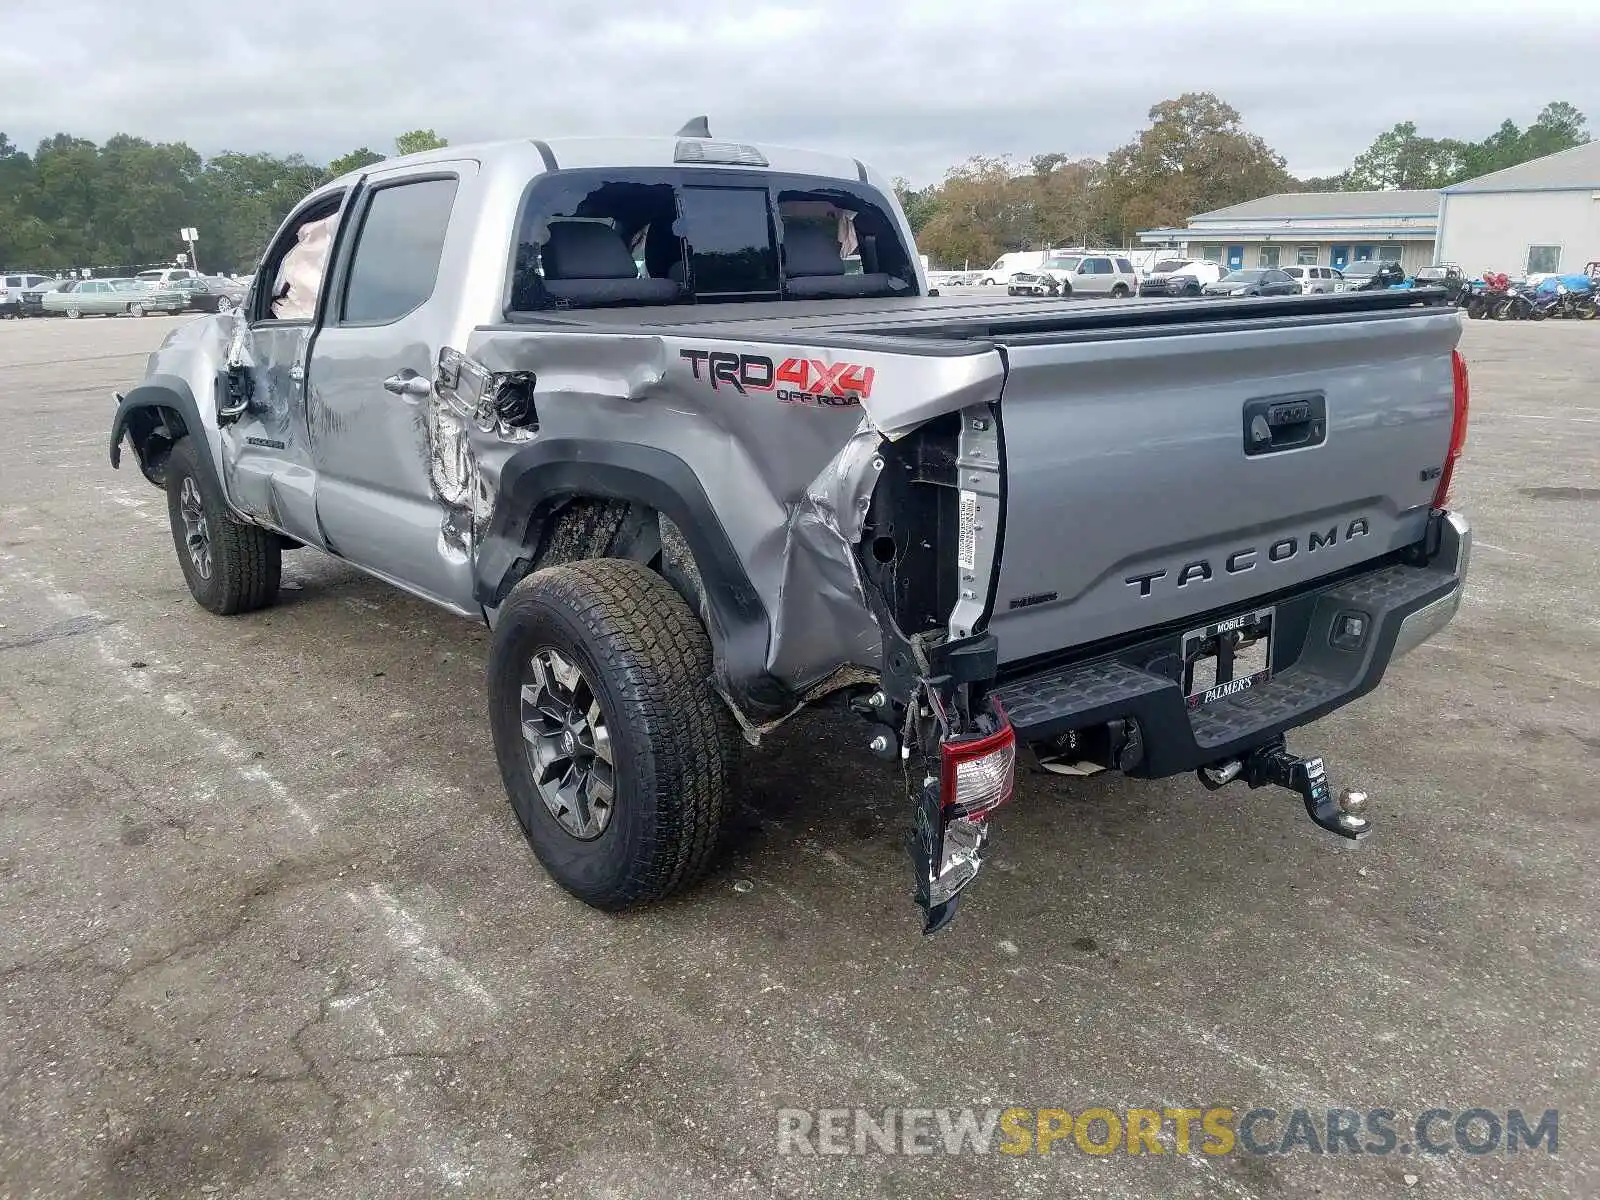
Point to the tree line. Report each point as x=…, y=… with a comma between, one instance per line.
x=1195, y=156
x=74, y=204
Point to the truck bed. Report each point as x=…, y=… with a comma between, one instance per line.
x=952, y=324
x=1155, y=460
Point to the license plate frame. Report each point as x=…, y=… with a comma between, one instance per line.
x=1227, y=657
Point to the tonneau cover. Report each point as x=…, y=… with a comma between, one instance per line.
x=949, y=324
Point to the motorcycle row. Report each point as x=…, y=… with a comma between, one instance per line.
x=1496, y=298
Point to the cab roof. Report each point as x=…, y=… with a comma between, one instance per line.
x=624, y=152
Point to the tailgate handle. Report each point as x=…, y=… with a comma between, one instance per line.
x=1274, y=423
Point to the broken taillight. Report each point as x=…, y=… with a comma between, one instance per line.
x=1458, y=429
x=977, y=774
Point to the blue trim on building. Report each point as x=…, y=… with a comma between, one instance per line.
x=1344, y=233
x=1462, y=189
x=1334, y=216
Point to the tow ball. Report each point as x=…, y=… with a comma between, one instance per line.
x=1274, y=764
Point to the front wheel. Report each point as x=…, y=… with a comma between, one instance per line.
x=74, y=313
x=230, y=567
x=613, y=744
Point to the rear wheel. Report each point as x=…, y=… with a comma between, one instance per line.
x=136, y=310
x=613, y=744
x=230, y=567
x=1120, y=291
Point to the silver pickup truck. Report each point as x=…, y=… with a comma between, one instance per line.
x=682, y=421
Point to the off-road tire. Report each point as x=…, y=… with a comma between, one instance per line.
x=647, y=660
x=246, y=560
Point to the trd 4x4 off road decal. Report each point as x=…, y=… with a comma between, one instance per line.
x=807, y=381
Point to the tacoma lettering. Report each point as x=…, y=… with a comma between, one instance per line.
x=1244, y=559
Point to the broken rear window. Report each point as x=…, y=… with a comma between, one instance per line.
x=590, y=238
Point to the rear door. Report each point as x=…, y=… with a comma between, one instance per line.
x=100, y=297
x=1094, y=276
x=1136, y=496
x=374, y=428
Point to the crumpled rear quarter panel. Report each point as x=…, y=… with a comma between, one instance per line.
x=789, y=482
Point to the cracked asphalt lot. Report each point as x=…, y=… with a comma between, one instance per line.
x=268, y=929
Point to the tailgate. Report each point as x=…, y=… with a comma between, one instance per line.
x=1131, y=499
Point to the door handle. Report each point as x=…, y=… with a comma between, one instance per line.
x=1294, y=422
x=408, y=383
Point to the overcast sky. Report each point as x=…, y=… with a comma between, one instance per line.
x=910, y=85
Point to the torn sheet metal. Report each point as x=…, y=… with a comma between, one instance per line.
x=783, y=448
x=823, y=612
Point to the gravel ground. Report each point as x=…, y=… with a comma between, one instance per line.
x=268, y=928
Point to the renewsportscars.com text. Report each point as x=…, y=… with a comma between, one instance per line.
x=1212, y=1130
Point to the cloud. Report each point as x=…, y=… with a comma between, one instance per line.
x=910, y=85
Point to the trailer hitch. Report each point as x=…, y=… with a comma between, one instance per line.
x=1273, y=764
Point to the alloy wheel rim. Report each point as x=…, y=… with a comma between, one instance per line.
x=568, y=744
x=196, y=530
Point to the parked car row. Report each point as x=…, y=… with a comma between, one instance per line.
x=162, y=291
x=1115, y=276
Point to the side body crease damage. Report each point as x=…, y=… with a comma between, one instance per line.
x=536, y=447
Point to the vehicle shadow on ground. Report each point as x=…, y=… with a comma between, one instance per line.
x=811, y=796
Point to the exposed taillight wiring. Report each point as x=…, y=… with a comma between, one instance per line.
x=978, y=773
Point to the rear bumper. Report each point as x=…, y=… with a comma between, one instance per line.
x=1404, y=603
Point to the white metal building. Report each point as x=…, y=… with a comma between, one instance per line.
x=1543, y=215
x=1331, y=229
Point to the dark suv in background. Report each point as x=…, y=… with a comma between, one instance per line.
x=1370, y=275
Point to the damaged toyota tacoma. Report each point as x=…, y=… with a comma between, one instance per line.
x=682, y=421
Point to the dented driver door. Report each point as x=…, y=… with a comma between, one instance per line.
x=266, y=444
x=373, y=415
